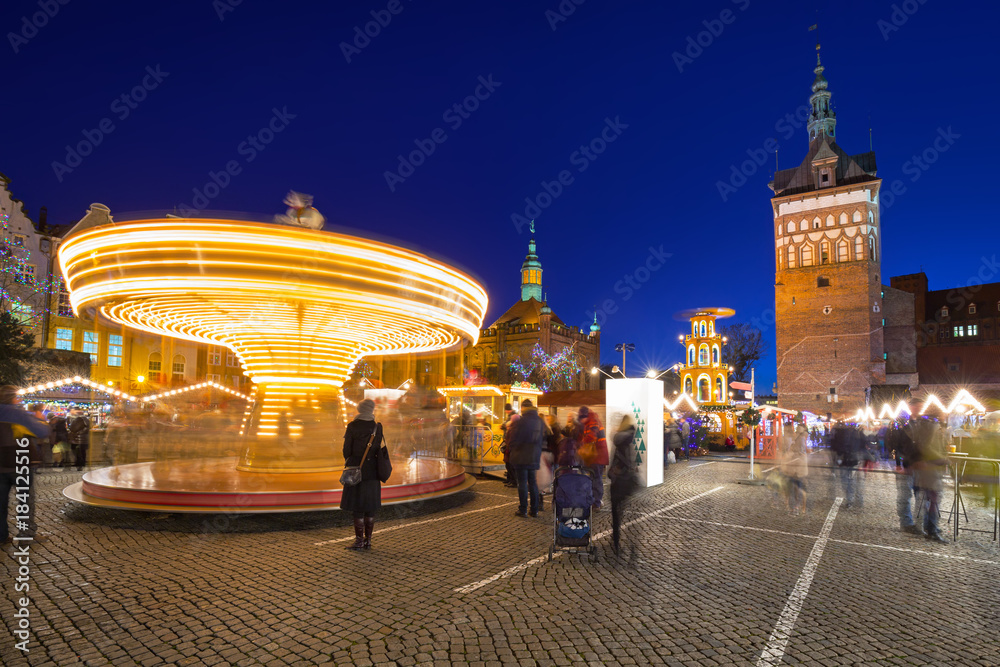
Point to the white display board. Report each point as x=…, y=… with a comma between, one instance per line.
x=643, y=399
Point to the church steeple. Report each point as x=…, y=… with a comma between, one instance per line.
x=822, y=119
x=531, y=272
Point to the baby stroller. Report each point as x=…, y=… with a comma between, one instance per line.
x=573, y=496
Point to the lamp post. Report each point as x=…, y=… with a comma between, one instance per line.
x=623, y=348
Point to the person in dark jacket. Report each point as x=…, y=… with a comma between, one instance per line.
x=899, y=440
x=18, y=458
x=622, y=474
x=60, y=440
x=527, y=437
x=365, y=497
x=846, y=443
x=79, y=436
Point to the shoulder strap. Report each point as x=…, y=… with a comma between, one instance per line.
x=370, y=439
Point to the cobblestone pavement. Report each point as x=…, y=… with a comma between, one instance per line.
x=721, y=579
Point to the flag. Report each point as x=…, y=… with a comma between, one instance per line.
x=813, y=27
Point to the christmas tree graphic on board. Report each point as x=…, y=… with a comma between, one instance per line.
x=640, y=434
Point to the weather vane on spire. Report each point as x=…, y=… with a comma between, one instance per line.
x=532, y=226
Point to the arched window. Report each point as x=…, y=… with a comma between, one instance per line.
x=781, y=260
x=824, y=252
x=703, y=328
x=816, y=222
x=177, y=369
x=691, y=355
x=871, y=249
x=830, y=221
x=791, y=257
x=704, y=390
x=871, y=217
x=807, y=254
x=859, y=248
x=694, y=328
x=857, y=216
x=703, y=355
x=719, y=391
x=843, y=218
x=715, y=355
x=804, y=225
x=843, y=251
x=687, y=386
x=711, y=328
x=791, y=227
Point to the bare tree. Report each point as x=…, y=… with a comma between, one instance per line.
x=743, y=348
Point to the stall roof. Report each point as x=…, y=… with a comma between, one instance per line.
x=569, y=398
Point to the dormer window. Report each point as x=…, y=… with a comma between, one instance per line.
x=944, y=311
x=972, y=309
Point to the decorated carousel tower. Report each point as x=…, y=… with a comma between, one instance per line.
x=703, y=375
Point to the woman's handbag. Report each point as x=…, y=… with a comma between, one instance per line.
x=384, y=464
x=352, y=474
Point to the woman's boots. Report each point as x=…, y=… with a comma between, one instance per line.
x=360, y=531
x=369, y=522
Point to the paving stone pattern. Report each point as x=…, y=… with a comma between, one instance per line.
x=128, y=588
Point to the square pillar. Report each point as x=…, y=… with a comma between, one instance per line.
x=641, y=398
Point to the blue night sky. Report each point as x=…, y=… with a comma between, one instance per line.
x=220, y=75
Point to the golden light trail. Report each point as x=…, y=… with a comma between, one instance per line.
x=298, y=307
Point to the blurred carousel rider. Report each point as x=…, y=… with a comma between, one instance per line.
x=365, y=497
x=15, y=425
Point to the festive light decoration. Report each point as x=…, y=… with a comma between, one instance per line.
x=962, y=403
x=476, y=390
x=682, y=397
x=184, y=390
x=104, y=389
x=298, y=307
x=553, y=371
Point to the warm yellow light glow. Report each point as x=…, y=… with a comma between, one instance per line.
x=76, y=379
x=476, y=390
x=141, y=378
x=295, y=305
x=681, y=398
x=174, y=392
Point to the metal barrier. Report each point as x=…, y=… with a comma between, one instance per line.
x=959, y=462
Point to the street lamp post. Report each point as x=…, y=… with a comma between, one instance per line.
x=623, y=348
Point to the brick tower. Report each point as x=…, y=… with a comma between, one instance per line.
x=827, y=286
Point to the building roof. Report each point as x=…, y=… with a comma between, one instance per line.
x=589, y=397
x=957, y=299
x=850, y=168
x=525, y=312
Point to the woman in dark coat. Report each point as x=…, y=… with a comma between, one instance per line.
x=623, y=477
x=363, y=498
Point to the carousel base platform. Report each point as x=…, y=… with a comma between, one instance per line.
x=216, y=486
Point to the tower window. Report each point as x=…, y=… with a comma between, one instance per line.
x=822, y=281
x=825, y=177
x=824, y=253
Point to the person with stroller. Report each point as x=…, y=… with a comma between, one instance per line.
x=526, y=439
x=593, y=449
x=622, y=473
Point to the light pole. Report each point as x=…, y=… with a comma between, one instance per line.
x=623, y=348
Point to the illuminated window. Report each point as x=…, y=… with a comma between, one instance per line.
x=23, y=313
x=691, y=356
x=715, y=354
x=703, y=328
x=231, y=358
x=114, y=350
x=973, y=330
x=214, y=357
x=64, y=339
x=711, y=328
x=703, y=355
x=91, y=340
x=687, y=386
x=214, y=377
x=958, y=331
x=719, y=392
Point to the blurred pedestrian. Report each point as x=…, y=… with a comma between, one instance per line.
x=593, y=449
x=550, y=454
x=364, y=498
x=845, y=444
x=527, y=438
x=622, y=473
x=794, y=466
x=78, y=426
x=508, y=417
x=19, y=459
x=899, y=441
x=928, y=472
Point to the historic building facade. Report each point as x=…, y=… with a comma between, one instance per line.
x=528, y=322
x=829, y=297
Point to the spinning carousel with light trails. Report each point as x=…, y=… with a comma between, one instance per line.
x=299, y=307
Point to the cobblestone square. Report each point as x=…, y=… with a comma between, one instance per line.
x=719, y=574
